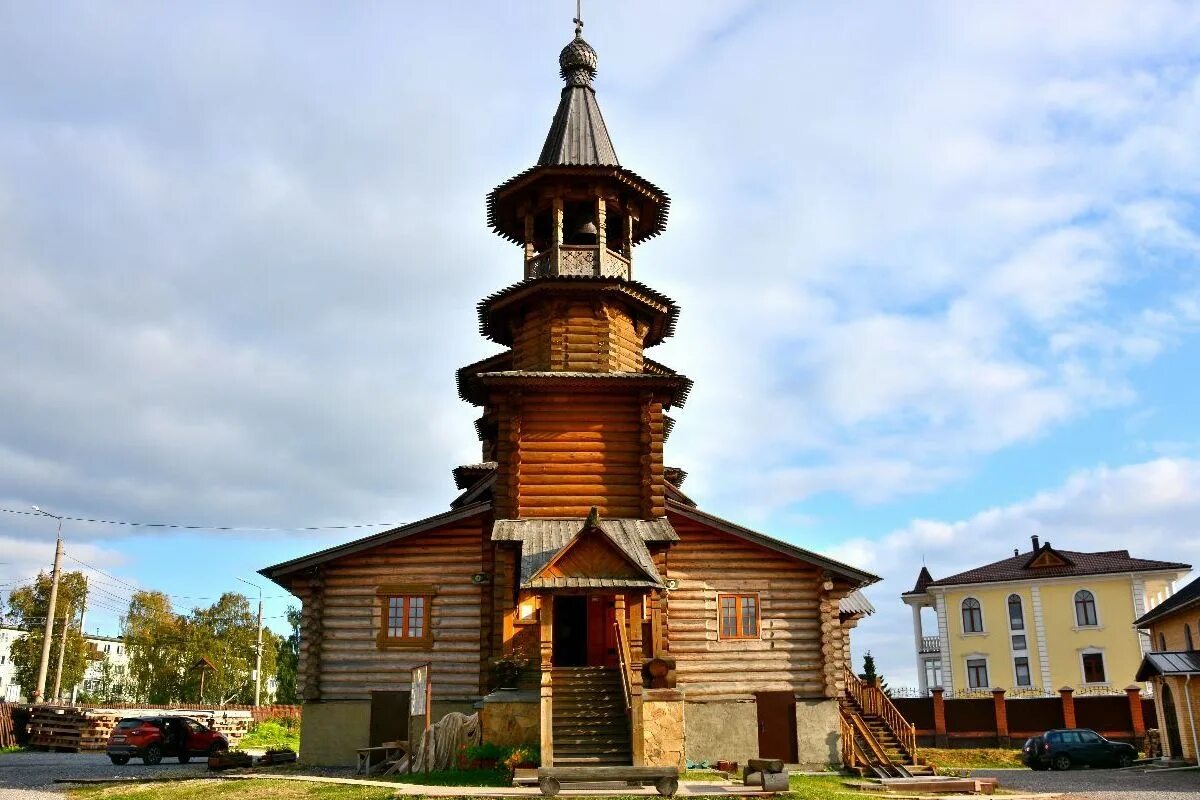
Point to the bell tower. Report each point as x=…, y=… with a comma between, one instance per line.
x=574, y=414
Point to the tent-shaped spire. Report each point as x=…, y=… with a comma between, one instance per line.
x=578, y=135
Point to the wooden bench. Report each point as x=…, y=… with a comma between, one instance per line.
x=388, y=751
x=664, y=779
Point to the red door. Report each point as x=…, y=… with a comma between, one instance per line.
x=777, y=726
x=602, y=639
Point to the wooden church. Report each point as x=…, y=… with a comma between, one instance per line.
x=639, y=629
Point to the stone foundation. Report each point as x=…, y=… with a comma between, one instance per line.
x=664, y=731
x=330, y=733
x=721, y=731
x=511, y=717
x=818, y=729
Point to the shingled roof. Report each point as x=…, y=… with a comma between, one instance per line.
x=1068, y=563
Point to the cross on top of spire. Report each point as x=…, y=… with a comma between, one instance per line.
x=578, y=20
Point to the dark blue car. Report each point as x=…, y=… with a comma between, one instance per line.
x=1063, y=749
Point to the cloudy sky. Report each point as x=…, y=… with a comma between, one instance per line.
x=937, y=264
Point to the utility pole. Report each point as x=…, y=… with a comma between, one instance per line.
x=257, y=647
x=62, y=649
x=39, y=694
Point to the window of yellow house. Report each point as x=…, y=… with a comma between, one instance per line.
x=1093, y=667
x=977, y=674
x=1016, y=615
x=972, y=616
x=1085, y=609
x=1021, y=671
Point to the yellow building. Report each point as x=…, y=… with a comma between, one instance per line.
x=1037, y=621
x=1173, y=667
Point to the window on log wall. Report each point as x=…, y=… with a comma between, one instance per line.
x=738, y=616
x=405, y=616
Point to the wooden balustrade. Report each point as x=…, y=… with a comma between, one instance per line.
x=626, y=659
x=875, y=703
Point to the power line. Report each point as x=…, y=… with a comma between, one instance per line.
x=228, y=528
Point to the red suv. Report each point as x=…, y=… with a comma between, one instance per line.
x=151, y=738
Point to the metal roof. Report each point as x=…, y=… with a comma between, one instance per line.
x=856, y=603
x=1018, y=567
x=1175, y=663
x=542, y=539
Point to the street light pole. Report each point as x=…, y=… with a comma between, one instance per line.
x=39, y=694
x=257, y=647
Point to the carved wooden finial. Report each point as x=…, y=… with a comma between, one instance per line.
x=593, y=518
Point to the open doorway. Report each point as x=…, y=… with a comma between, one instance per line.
x=570, y=631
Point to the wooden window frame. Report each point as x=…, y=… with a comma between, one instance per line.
x=407, y=593
x=987, y=672
x=738, y=598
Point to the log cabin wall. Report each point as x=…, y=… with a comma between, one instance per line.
x=594, y=335
x=351, y=662
x=800, y=642
x=564, y=453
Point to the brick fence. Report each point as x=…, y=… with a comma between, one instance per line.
x=1007, y=722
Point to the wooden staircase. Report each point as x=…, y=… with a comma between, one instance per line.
x=880, y=740
x=591, y=723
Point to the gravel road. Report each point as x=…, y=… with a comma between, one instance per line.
x=1101, y=784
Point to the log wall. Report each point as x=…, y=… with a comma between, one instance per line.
x=597, y=335
x=801, y=644
x=351, y=661
x=561, y=454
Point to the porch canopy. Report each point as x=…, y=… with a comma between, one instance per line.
x=586, y=553
x=1168, y=664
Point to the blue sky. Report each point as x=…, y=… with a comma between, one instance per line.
x=936, y=264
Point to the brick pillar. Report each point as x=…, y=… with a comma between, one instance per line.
x=939, y=718
x=1134, y=693
x=1001, y=708
x=1068, y=705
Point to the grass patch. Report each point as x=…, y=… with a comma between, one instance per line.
x=972, y=758
x=269, y=735
x=820, y=787
x=16, y=748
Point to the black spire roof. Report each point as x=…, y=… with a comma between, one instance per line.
x=578, y=135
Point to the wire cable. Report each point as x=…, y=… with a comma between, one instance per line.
x=227, y=528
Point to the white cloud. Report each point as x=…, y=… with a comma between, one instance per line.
x=1151, y=509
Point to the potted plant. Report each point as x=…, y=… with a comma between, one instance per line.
x=508, y=670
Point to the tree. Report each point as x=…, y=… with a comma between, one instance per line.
x=28, y=607
x=870, y=675
x=287, y=660
x=165, y=646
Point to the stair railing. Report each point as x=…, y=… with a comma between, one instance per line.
x=875, y=703
x=625, y=659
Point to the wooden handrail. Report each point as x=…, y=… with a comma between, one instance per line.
x=875, y=702
x=879, y=755
x=624, y=657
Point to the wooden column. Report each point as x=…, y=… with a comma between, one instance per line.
x=601, y=227
x=1068, y=706
x=487, y=619
x=557, y=224
x=1137, y=718
x=514, y=455
x=546, y=627
x=939, y=717
x=1001, y=710
x=635, y=683
x=656, y=642
x=530, y=250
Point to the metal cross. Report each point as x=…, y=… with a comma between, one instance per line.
x=578, y=17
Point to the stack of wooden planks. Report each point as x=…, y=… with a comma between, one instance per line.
x=70, y=728
x=8, y=736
